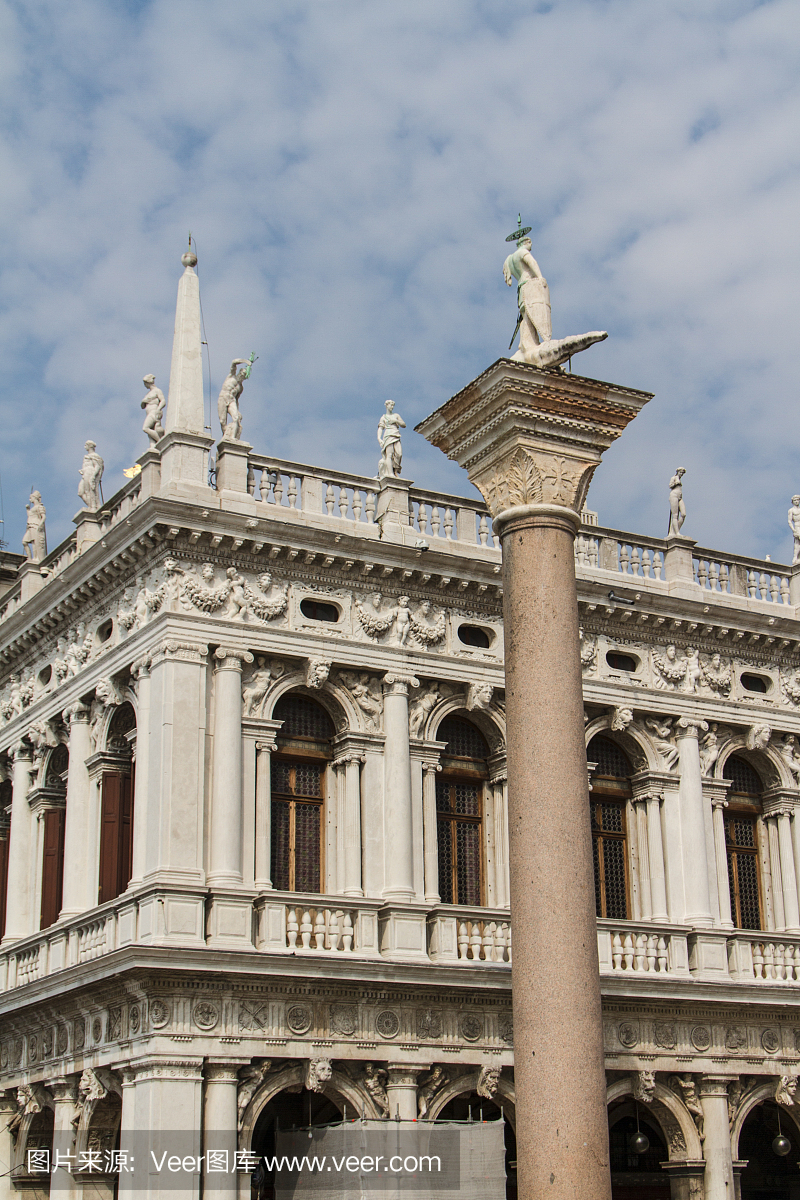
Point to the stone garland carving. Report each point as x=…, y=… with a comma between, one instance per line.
x=409, y=627
x=375, y=622
x=366, y=692
x=317, y=672
x=251, y=1079
x=434, y=1083
x=374, y=1081
x=790, y=686
x=255, y=685
x=318, y=1073
x=238, y=597
x=716, y=675
x=588, y=652
x=662, y=733
x=488, y=1081
x=671, y=670
x=424, y=631
x=685, y=1087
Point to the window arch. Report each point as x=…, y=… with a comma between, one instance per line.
x=742, y=842
x=459, y=811
x=611, y=791
x=298, y=771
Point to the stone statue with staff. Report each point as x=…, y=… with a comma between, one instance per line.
x=230, y=418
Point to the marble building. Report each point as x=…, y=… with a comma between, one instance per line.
x=253, y=850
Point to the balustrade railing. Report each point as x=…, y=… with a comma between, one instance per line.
x=320, y=929
x=764, y=957
x=646, y=562
x=641, y=948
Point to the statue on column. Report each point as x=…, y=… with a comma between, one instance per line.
x=91, y=474
x=536, y=343
x=155, y=403
x=677, y=508
x=389, y=428
x=34, y=540
x=228, y=402
x=794, y=525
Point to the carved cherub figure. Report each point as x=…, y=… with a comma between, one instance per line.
x=788, y=752
x=661, y=731
x=693, y=669
x=255, y=686
x=402, y=620
x=790, y=685
x=436, y=1080
x=236, y=607
x=375, y=1083
x=367, y=695
x=420, y=708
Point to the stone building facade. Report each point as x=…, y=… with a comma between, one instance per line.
x=254, y=840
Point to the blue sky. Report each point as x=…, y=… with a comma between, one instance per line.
x=349, y=169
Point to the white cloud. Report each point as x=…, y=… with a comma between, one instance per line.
x=349, y=170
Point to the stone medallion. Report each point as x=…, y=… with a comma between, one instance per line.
x=387, y=1023
x=429, y=1024
x=735, y=1037
x=505, y=1027
x=628, y=1034
x=664, y=1034
x=62, y=1039
x=97, y=1029
x=205, y=1014
x=700, y=1037
x=770, y=1040
x=470, y=1026
x=344, y=1019
x=298, y=1018
x=79, y=1034
x=134, y=1018
x=159, y=1013
x=33, y=1049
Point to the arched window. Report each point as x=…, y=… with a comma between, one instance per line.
x=116, y=807
x=741, y=842
x=298, y=793
x=611, y=789
x=459, y=811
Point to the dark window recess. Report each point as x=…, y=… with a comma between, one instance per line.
x=318, y=610
x=754, y=683
x=52, y=867
x=116, y=828
x=303, y=718
x=297, y=799
x=621, y=662
x=610, y=790
x=745, y=780
x=473, y=635
x=463, y=739
x=105, y=630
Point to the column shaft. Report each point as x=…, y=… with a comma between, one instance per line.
x=20, y=914
x=775, y=872
x=401, y=1089
x=352, y=826
x=220, y=1123
x=788, y=878
x=643, y=843
x=721, y=853
x=719, y=1183
x=398, y=826
x=263, y=817
x=655, y=850
x=81, y=822
x=562, y=1130
x=142, y=769
x=430, y=833
x=225, y=848
x=697, y=909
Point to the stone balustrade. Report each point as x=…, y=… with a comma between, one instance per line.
x=337, y=927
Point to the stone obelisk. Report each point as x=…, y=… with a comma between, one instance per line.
x=531, y=440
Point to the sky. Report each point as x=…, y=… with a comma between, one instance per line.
x=349, y=170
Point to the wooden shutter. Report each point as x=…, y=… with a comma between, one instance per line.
x=126, y=833
x=110, y=836
x=52, y=867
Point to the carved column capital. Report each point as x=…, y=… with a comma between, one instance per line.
x=431, y=766
x=719, y=802
x=230, y=659
x=140, y=669
x=76, y=714
x=397, y=683
x=715, y=1085
x=21, y=752
x=352, y=756
x=690, y=727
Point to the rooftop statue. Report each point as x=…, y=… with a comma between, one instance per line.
x=228, y=402
x=34, y=540
x=794, y=525
x=536, y=343
x=389, y=428
x=155, y=403
x=91, y=474
x=677, y=508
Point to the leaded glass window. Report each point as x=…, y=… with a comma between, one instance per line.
x=459, y=811
x=741, y=843
x=611, y=790
x=298, y=793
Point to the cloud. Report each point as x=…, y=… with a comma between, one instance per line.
x=349, y=171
